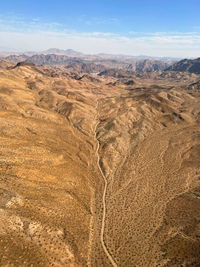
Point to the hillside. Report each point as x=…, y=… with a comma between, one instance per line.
x=90, y=63
x=85, y=67
x=194, y=86
x=98, y=170
x=148, y=65
x=17, y=58
x=187, y=65
x=50, y=59
x=116, y=73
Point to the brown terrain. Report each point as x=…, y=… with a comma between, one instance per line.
x=83, y=63
x=99, y=170
x=189, y=65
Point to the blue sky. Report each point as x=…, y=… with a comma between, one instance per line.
x=152, y=27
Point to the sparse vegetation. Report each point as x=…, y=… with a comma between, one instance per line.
x=98, y=171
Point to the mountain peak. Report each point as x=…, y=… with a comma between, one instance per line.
x=68, y=52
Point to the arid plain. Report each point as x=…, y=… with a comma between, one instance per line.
x=98, y=170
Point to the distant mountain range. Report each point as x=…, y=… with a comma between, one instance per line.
x=79, y=62
x=51, y=59
x=67, y=52
x=73, y=53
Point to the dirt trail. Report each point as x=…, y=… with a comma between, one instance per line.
x=103, y=197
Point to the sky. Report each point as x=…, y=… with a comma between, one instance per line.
x=132, y=27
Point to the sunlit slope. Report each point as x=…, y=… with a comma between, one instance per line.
x=96, y=171
x=150, y=155
x=47, y=184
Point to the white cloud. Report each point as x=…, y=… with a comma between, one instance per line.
x=98, y=21
x=35, y=35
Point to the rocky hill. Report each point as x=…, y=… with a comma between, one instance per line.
x=194, y=86
x=85, y=67
x=98, y=170
x=51, y=59
x=148, y=65
x=17, y=58
x=187, y=65
x=88, y=64
x=116, y=73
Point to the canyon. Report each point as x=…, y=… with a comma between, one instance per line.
x=99, y=168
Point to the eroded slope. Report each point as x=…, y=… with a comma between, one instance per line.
x=47, y=182
x=97, y=172
x=150, y=150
